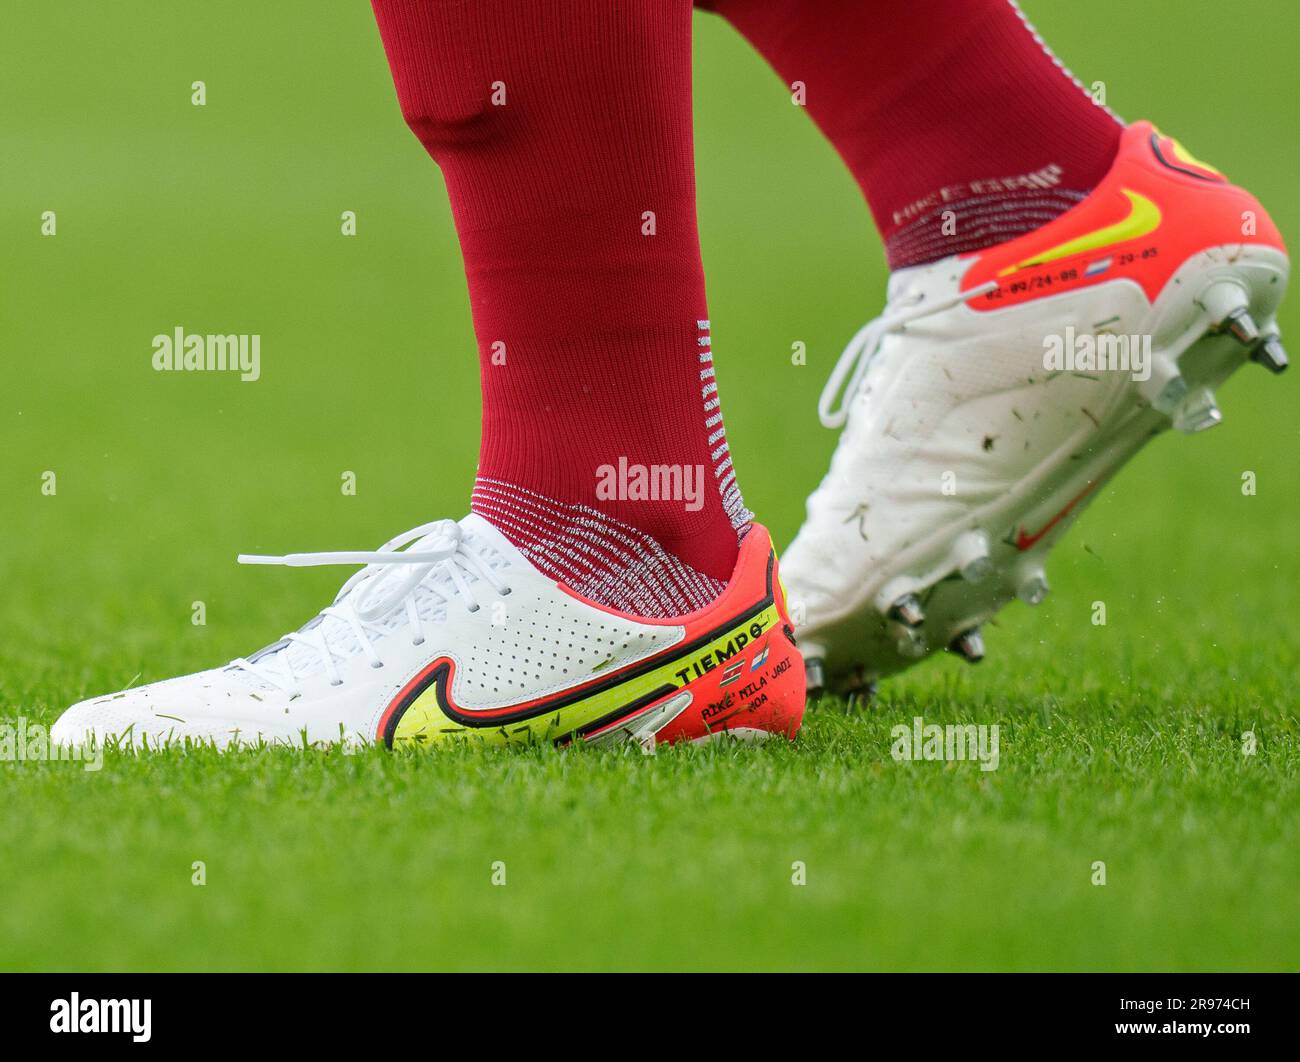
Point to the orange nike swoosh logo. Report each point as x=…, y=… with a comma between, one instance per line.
x=1025, y=541
x=1143, y=217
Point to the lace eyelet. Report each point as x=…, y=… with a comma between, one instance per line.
x=505, y=592
x=377, y=664
x=418, y=641
x=473, y=608
x=336, y=682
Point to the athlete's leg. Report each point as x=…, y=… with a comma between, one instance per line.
x=1064, y=288
x=946, y=111
x=563, y=130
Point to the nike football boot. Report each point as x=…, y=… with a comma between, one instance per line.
x=449, y=633
x=1000, y=390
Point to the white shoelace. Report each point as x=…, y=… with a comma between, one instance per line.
x=862, y=348
x=368, y=596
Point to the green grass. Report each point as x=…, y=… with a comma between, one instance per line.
x=1120, y=743
x=380, y=861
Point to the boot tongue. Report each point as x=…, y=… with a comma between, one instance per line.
x=489, y=540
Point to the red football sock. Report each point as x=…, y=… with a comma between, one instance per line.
x=563, y=131
x=937, y=107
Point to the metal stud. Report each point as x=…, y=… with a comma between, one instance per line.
x=815, y=675
x=911, y=645
x=969, y=645
x=1198, y=412
x=1271, y=354
x=1033, y=590
x=1241, y=326
x=907, y=610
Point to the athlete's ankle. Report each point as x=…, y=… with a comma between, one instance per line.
x=607, y=559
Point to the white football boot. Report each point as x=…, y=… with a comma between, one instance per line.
x=459, y=636
x=999, y=392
